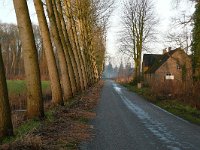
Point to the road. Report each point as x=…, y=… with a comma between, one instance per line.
x=126, y=121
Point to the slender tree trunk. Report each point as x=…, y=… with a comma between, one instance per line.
x=6, y=128
x=19, y=50
x=73, y=74
x=66, y=84
x=82, y=54
x=51, y=62
x=72, y=51
x=76, y=45
x=35, y=106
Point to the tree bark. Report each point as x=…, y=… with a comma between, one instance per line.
x=51, y=61
x=35, y=106
x=6, y=128
x=66, y=84
x=72, y=49
x=73, y=74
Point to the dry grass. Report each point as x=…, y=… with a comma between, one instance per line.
x=124, y=80
x=18, y=106
x=185, y=92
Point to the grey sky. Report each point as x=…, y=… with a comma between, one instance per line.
x=7, y=12
x=165, y=11
x=163, y=8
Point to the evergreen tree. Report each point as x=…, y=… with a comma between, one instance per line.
x=110, y=70
x=196, y=43
x=121, y=70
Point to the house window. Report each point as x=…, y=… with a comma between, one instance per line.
x=178, y=66
x=169, y=76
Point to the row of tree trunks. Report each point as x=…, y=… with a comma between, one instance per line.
x=73, y=74
x=71, y=38
x=74, y=41
x=68, y=90
x=48, y=48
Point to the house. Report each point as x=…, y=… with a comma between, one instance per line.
x=174, y=65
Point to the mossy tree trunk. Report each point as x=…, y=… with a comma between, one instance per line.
x=6, y=128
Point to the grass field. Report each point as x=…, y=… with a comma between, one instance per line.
x=19, y=86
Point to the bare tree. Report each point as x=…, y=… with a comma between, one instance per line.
x=182, y=38
x=180, y=29
x=139, y=22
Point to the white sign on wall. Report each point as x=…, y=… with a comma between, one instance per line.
x=169, y=77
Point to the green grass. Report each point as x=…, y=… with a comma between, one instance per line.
x=72, y=145
x=19, y=86
x=145, y=92
x=175, y=107
x=45, y=85
x=16, y=86
x=50, y=115
x=180, y=109
x=24, y=129
x=28, y=127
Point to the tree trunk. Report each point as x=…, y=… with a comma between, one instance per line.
x=35, y=106
x=66, y=84
x=82, y=54
x=6, y=128
x=75, y=42
x=72, y=51
x=73, y=74
x=51, y=62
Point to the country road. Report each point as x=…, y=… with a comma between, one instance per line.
x=125, y=121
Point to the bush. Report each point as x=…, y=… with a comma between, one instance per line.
x=183, y=91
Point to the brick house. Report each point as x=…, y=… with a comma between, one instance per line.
x=174, y=65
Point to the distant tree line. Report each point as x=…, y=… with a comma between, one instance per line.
x=123, y=72
x=13, y=55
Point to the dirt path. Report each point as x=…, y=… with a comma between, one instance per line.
x=67, y=127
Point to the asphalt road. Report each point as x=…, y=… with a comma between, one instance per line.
x=125, y=121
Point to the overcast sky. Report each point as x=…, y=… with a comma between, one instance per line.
x=163, y=8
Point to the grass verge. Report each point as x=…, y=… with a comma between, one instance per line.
x=28, y=127
x=175, y=107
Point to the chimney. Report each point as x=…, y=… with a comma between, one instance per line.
x=165, y=51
